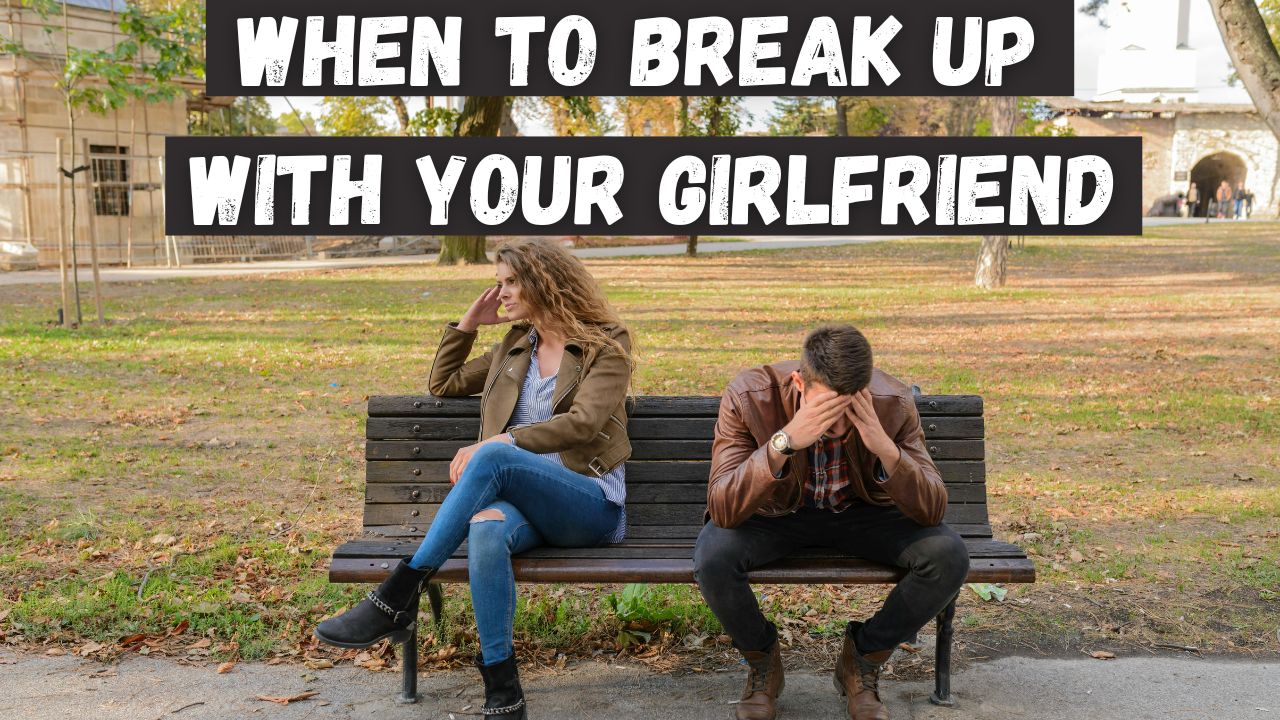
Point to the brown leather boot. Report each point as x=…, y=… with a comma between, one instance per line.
x=858, y=678
x=764, y=685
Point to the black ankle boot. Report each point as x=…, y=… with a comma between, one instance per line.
x=388, y=612
x=503, y=697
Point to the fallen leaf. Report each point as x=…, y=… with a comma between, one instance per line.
x=201, y=643
x=1102, y=655
x=88, y=649
x=226, y=667
x=130, y=642
x=55, y=652
x=163, y=539
x=1076, y=556
x=289, y=699
x=319, y=664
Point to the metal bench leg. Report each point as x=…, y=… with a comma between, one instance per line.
x=942, y=669
x=409, y=672
x=435, y=596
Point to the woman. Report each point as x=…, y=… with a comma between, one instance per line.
x=548, y=469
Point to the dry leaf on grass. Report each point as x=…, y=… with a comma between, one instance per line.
x=1102, y=655
x=226, y=667
x=289, y=699
x=201, y=643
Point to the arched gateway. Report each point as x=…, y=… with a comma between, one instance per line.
x=1209, y=172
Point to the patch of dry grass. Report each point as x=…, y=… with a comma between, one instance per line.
x=1132, y=420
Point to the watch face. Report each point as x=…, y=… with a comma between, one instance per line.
x=780, y=442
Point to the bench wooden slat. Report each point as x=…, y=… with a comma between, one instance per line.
x=641, y=548
x=637, y=492
x=642, y=514
x=641, y=428
x=640, y=449
x=646, y=406
x=411, y=439
x=679, y=471
x=966, y=530
x=839, y=571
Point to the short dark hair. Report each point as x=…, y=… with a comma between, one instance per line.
x=837, y=356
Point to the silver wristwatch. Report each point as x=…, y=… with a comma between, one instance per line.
x=782, y=443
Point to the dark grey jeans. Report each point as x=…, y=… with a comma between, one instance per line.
x=935, y=559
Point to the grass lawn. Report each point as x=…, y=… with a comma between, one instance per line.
x=173, y=482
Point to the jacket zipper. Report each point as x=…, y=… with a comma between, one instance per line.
x=484, y=397
x=556, y=401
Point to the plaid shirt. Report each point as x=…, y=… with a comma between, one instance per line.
x=827, y=487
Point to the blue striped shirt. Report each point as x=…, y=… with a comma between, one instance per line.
x=535, y=405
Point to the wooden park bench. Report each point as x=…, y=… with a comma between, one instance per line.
x=411, y=440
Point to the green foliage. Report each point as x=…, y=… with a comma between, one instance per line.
x=291, y=123
x=716, y=115
x=160, y=47
x=354, y=116
x=801, y=115
x=433, y=122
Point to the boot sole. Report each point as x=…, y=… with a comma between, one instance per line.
x=395, y=636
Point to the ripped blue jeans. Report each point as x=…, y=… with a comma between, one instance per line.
x=531, y=501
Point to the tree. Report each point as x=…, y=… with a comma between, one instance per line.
x=1252, y=49
x=659, y=114
x=993, y=254
x=570, y=116
x=803, y=115
x=355, y=116
x=710, y=116
x=481, y=116
x=159, y=48
x=295, y=123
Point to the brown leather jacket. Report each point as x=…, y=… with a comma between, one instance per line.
x=589, y=427
x=761, y=400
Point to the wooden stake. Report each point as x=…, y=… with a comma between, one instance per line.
x=91, y=209
x=62, y=236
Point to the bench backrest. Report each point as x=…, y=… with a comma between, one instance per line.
x=412, y=438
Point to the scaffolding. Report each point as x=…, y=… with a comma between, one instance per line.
x=120, y=195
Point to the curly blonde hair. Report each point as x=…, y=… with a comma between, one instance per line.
x=561, y=293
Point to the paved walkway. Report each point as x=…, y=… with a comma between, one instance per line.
x=1177, y=688
x=266, y=267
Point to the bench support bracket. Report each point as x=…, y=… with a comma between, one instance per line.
x=435, y=596
x=942, y=657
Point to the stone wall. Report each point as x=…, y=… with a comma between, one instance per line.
x=1243, y=135
x=1174, y=143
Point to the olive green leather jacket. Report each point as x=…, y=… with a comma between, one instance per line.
x=589, y=427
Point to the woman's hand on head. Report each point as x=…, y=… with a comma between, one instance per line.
x=484, y=311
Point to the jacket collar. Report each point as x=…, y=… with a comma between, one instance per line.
x=570, y=365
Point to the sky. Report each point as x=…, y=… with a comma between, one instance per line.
x=1213, y=67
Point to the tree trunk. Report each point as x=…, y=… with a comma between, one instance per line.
x=508, y=127
x=402, y=113
x=684, y=115
x=992, y=258
x=993, y=254
x=842, y=116
x=1253, y=55
x=481, y=117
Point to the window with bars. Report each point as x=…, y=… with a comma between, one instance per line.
x=110, y=179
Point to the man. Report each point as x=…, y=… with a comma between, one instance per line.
x=826, y=451
x=1193, y=200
